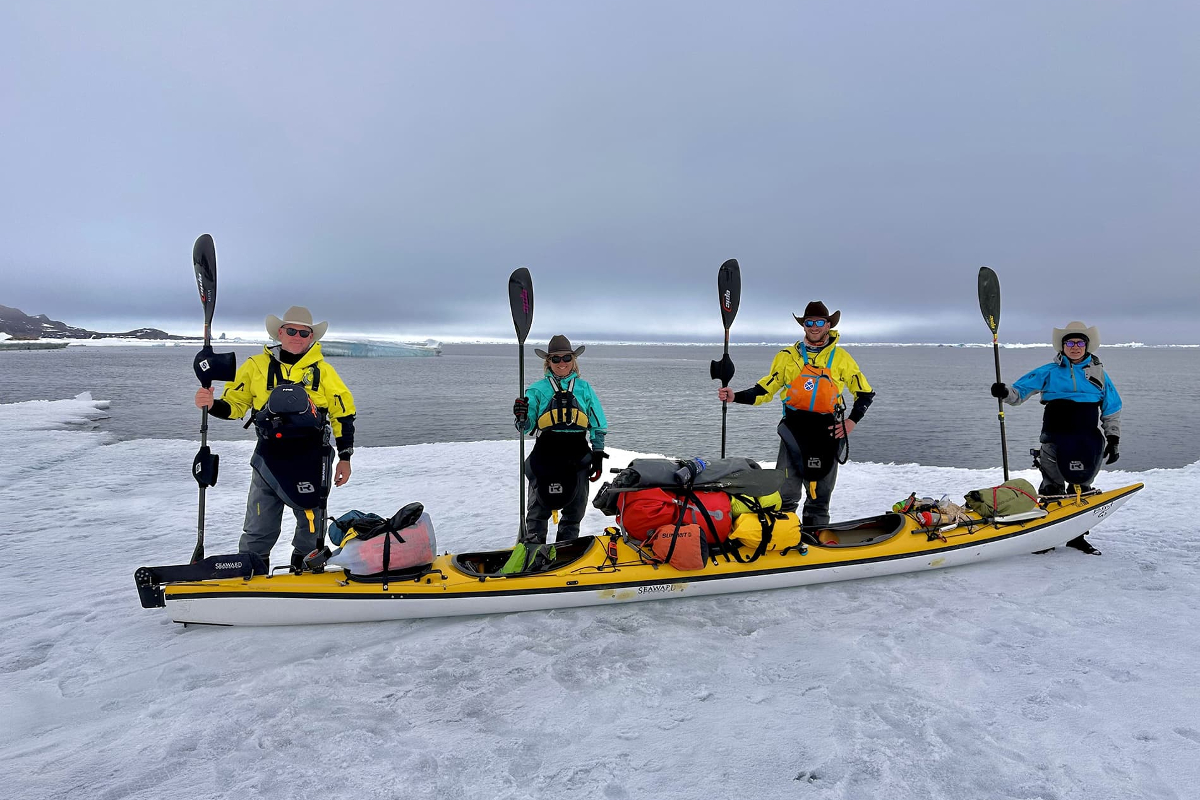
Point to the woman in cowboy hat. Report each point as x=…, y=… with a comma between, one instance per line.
x=563, y=412
x=810, y=377
x=295, y=359
x=1081, y=423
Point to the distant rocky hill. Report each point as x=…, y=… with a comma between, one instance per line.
x=19, y=325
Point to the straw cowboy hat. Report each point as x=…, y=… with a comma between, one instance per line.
x=559, y=345
x=817, y=310
x=296, y=315
x=1079, y=329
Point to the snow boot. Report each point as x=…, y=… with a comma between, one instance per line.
x=297, y=565
x=1080, y=543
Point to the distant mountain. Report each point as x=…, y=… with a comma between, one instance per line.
x=19, y=325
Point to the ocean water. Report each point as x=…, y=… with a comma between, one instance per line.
x=932, y=405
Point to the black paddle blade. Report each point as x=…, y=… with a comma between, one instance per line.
x=204, y=259
x=729, y=288
x=520, y=300
x=989, y=298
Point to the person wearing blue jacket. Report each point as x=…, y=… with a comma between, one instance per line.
x=563, y=412
x=1081, y=421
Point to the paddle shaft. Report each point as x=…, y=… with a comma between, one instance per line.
x=1000, y=405
x=521, y=435
x=724, y=403
x=198, y=552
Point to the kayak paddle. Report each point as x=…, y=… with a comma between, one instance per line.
x=204, y=466
x=989, y=304
x=729, y=292
x=520, y=302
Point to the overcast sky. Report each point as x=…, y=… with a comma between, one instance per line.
x=390, y=164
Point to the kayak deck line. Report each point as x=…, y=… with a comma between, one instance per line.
x=448, y=588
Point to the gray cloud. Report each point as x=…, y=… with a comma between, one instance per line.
x=389, y=166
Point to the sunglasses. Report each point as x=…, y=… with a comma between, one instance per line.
x=819, y=323
x=1074, y=343
x=301, y=332
x=561, y=359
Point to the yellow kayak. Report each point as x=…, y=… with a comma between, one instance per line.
x=602, y=570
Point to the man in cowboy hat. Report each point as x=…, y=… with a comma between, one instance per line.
x=1081, y=423
x=810, y=378
x=562, y=410
x=294, y=360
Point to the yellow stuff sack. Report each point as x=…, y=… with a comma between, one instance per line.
x=737, y=506
x=748, y=530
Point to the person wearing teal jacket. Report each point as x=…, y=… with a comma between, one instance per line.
x=564, y=414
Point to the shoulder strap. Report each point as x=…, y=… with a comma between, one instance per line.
x=274, y=374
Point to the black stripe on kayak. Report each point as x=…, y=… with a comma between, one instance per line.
x=632, y=585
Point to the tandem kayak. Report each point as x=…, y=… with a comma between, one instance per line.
x=603, y=570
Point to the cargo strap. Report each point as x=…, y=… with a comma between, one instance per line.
x=767, y=517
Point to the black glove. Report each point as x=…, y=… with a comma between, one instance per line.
x=521, y=411
x=999, y=391
x=1111, y=454
x=598, y=457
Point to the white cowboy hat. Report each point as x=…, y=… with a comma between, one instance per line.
x=1076, y=328
x=296, y=315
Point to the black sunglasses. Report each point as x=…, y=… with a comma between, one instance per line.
x=561, y=359
x=303, y=334
x=1074, y=343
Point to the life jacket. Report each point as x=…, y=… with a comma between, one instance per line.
x=563, y=414
x=560, y=452
x=312, y=376
x=814, y=388
x=289, y=413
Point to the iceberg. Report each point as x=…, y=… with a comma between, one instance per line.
x=373, y=348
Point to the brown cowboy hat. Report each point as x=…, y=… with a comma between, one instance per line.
x=817, y=310
x=559, y=345
x=296, y=315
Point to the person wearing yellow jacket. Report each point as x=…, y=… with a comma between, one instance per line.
x=295, y=360
x=810, y=378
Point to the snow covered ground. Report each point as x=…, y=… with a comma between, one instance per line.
x=1054, y=676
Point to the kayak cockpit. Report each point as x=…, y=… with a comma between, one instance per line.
x=859, y=532
x=488, y=564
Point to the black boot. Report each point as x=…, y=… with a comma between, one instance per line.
x=1080, y=543
x=297, y=565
